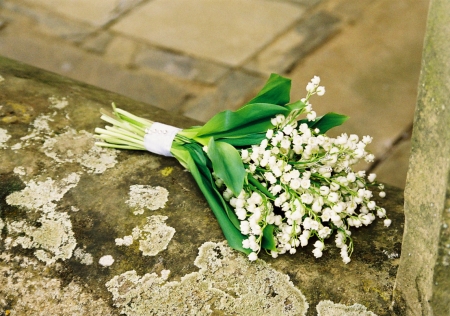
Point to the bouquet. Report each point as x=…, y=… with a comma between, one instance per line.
x=272, y=177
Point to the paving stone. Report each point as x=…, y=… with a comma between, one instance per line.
x=121, y=50
x=77, y=64
x=288, y=49
x=373, y=79
x=98, y=42
x=393, y=170
x=51, y=24
x=96, y=13
x=226, y=31
x=178, y=65
x=232, y=92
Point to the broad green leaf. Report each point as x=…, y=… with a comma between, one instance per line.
x=268, y=240
x=247, y=140
x=328, y=121
x=227, y=164
x=203, y=178
x=247, y=116
x=276, y=91
x=204, y=165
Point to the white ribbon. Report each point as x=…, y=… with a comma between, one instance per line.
x=159, y=137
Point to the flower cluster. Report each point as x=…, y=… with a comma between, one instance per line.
x=301, y=185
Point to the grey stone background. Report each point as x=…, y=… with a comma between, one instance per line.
x=196, y=58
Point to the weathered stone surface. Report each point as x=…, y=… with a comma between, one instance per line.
x=281, y=55
x=49, y=161
x=230, y=32
x=423, y=277
x=181, y=66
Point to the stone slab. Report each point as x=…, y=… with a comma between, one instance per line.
x=95, y=13
x=181, y=66
x=63, y=204
x=281, y=55
x=225, y=31
x=232, y=91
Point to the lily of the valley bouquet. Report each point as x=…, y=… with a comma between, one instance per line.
x=272, y=177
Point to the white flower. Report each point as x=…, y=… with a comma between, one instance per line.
x=311, y=116
x=310, y=87
x=367, y=139
x=371, y=177
x=305, y=183
x=317, y=252
x=241, y=213
x=269, y=133
x=346, y=259
x=319, y=244
x=333, y=197
x=307, y=198
x=324, y=232
x=287, y=130
x=387, y=222
x=351, y=177
x=252, y=256
x=370, y=158
x=381, y=212
x=324, y=190
x=320, y=91
x=382, y=194
x=315, y=80
x=371, y=205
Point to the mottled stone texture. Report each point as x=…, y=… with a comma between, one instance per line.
x=424, y=273
x=64, y=204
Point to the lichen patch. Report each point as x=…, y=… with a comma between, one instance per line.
x=40, y=196
x=154, y=236
x=147, y=197
x=72, y=146
x=58, y=103
x=328, y=308
x=83, y=256
x=227, y=283
x=4, y=137
x=25, y=291
x=53, y=239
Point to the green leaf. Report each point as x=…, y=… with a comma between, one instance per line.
x=202, y=176
x=255, y=118
x=328, y=121
x=268, y=240
x=247, y=140
x=276, y=91
x=227, y=165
